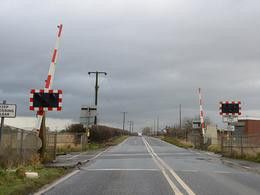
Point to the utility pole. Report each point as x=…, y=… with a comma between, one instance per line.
x=157, y=125
x=96, y=90
x=180, y=116
x=154, y=127
x=124, y=114
x=130, y=126
x=2, y=125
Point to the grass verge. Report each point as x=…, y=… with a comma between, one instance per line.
x=246, y=157
x=15, y=182
x=214, y=148
x=112, y=142
x=91, y=146
x=177, y=142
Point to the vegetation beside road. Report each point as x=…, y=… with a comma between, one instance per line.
x=214, y=148
x=111, y=142
x=15, y=182
x=91, y=145
x=12, y=174
x=246, y=156
x=177, y=142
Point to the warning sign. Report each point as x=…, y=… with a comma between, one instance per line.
x=8, y=110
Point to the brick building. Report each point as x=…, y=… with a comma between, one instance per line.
x=247, y=126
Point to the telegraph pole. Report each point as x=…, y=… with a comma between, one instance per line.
x=154, y=127
x=124, y=114
x=2, y=124
x=157, y=125
x=130, y=125
x=96, y=89
x=180, y=116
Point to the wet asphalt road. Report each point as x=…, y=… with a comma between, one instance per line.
x=145, y=165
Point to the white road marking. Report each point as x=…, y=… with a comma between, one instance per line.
x=246, y=167
x=56, y=183
x=67, y=176
x=122, y=169
x=222, y=172
x=123, y=142
x=180, y=181
x=173, y=186
x=193, y=171
x=97, y=155
x=140, y=154
x=74, y=156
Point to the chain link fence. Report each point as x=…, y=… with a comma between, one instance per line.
x=244, y=145
x=226, y=144
x=17, y=146
x=20, y=146
x=60, y=143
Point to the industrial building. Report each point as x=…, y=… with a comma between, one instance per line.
x=247, y=126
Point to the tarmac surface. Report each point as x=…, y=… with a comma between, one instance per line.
x=145, y=165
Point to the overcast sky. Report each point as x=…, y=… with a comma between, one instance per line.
x=156, y=53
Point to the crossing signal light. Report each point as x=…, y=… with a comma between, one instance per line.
x=227, y=108
x=45, y=100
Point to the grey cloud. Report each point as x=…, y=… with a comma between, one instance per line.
x=156, y=54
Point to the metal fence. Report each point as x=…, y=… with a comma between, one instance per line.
x=226, y=144
x=58, y=143
x=17, y=146
x=246, y=145
x=20, y=146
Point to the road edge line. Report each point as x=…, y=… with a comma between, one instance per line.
x=50, y=186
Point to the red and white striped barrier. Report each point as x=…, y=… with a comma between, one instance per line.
x=49, y=80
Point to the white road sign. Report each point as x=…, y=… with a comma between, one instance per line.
x=8, y=110
x=87, y=115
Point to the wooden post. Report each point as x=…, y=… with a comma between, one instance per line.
x=222, y=143
x=231, y=145
x=241, y=145
x=2, y=124
x=55, y=146
x=21, y=145
x=195, y=141
x=42, y=135
x=81, y=141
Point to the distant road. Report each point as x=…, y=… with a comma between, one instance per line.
x=145, y=165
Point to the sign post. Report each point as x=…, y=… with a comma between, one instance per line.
x=87, y=118
x=6, y=111
x=87, y=115
x=230, y=110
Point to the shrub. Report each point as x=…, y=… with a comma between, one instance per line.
x=75, y=128
x=214, y=148
x=104, y=133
